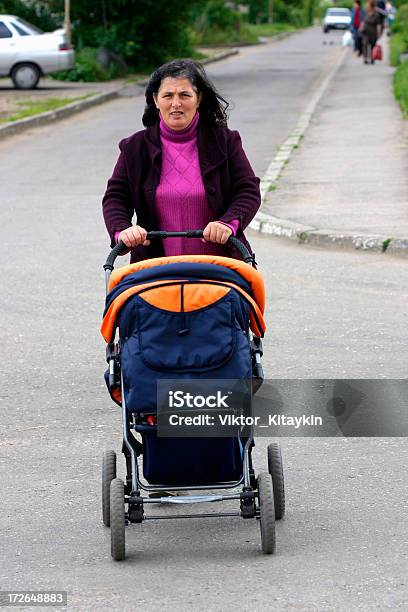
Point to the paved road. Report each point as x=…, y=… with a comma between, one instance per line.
x=331, y=314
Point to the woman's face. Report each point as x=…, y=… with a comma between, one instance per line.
x=177, y=102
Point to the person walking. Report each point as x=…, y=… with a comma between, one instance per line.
x=381, y=10
x=370, y=29
x=187, y=170
x=357, y=16
x=390, y=8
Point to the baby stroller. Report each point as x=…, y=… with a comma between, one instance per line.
x=188, y=318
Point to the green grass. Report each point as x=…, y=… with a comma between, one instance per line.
x=248, y=33
x=272, y=187
x=401, y=86
x=397, y=46
x=386, y=244
x=33, y=107
x=87, y=69
x=217, y=36
x=197, y=55
x=136, y=77
x=270, y=29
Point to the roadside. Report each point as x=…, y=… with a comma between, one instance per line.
x=14, y=101
x=51, y=94
x=53, y=100
x=346, y=184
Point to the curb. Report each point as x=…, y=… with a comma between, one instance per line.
x=284, y=153
x=16, y=127
x=60, y=113
x=261, y=40
x=305, y=234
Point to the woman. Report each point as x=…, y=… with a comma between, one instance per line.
x=185, y=171
x=370, y=29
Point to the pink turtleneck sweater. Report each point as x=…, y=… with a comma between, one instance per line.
x=181, y=201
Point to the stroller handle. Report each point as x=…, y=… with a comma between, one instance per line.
x=120, y=247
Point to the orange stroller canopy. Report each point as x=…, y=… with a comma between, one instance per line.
x=195, y=296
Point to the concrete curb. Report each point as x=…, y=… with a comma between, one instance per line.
x=220, y=56
x=16, y=127
x=261, y=40
x=305, y=234
x=60, y=113
x=283, y=155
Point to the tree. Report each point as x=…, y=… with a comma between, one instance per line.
x=145, y=32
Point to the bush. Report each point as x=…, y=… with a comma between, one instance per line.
x=401, y=21
x=215, y=23
x=293, y=12
x=217, y=36
x=399, y=38
x=402, y=16
x=401, y=86
x=87, y=69
x=146, y=33
x=397, y=46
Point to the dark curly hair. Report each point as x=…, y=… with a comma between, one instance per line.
x=213, y=107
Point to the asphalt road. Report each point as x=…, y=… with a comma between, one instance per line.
x=343, y=544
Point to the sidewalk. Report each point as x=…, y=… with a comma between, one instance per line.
x=348, y=178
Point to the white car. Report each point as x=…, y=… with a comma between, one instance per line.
x=27, y=53
x=337, y=19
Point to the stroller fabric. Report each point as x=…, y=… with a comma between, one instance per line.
x=184, y=317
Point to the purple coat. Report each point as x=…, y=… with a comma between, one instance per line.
x=231, y=185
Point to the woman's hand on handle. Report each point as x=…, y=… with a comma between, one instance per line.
x=134, y=236
x=217, y=232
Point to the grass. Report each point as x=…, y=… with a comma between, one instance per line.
x=136, y=77
x=217, y=36
x=270, y=29
x=272, y=187
x=34, y=107
x=397, y=46
x=198, y=55
x=386, y=244
x=303, y=236
x=248, y=33
x=401, y=86
x=87, y=68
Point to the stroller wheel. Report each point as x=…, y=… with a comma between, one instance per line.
x=117, y=519
x=108, y=474
x=275, y=468
x=267, y=513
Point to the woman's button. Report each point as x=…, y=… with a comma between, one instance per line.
x=211, y=190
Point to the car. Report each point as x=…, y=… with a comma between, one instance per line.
x=27, y=53
x=337, y=19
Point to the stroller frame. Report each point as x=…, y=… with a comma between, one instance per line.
x=256, y=496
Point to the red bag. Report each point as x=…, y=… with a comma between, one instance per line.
x=377, y=52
